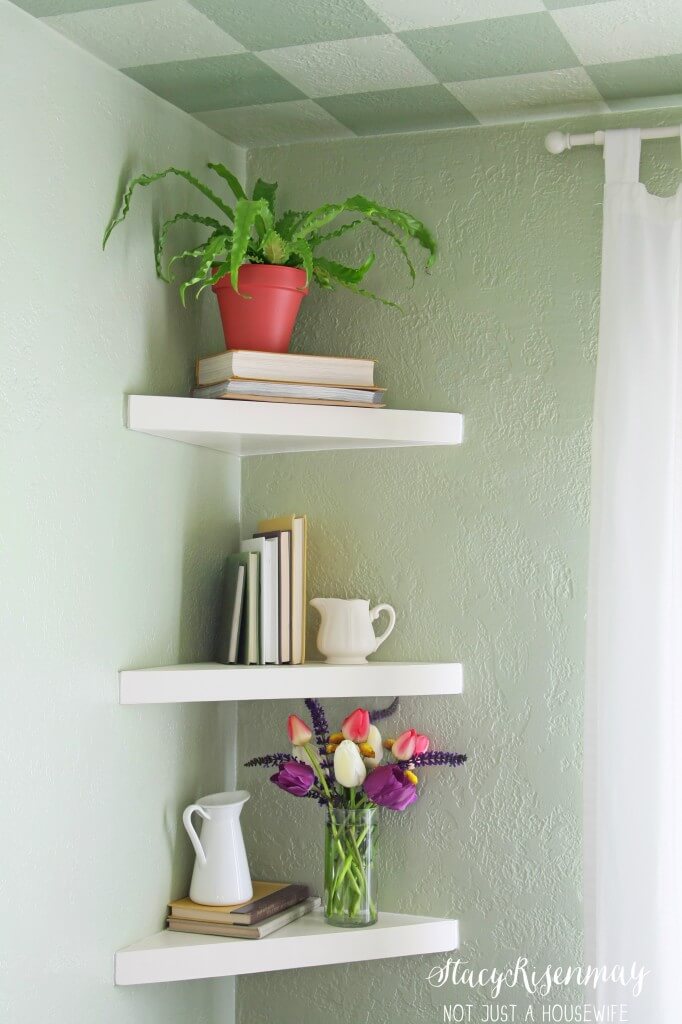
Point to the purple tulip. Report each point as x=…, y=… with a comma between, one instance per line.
x=389, y=787
x=294, y=777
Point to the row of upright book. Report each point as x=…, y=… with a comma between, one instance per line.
x=288, y=377
x=263, y=616
x=272, y=906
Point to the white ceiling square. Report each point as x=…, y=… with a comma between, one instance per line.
x=520, y=97
x=603, y=33
x=368, y=64
x=403, y=15
x=151, y=32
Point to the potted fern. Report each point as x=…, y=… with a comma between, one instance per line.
x=260, y=264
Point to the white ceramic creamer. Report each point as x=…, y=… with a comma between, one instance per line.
x=346, y=635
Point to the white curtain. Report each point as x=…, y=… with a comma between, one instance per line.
x=633, y=775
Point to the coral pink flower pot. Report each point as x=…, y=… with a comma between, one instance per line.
x=264, y=320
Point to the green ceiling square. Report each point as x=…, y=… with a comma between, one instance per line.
x=215, y=83
x=398, y=110
x=271, y=24
x=488, y=49
x=47, y=8
x=629, y=79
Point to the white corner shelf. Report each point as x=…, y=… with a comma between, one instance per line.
x=308, y=942
x=268, y=428
x=180, y=684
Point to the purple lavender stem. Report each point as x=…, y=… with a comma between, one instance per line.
x=267, y=761
x=319, y=719
x=437, y=758
x=379, y=713
x=320, y=725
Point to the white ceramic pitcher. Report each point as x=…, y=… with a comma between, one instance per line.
x=346, y=635
x=221, y=870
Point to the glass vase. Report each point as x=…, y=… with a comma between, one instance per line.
x=350, y=877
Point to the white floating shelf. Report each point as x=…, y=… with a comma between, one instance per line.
x=308, y=942
x=178, y=684
x=267, y=428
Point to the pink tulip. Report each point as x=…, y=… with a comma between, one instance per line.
x=356, y=726
x=421, y=744
x=403, y=748
x=299, y=733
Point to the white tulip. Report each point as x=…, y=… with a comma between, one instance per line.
x=375, y=742
x=301, y=754
x=349, y=767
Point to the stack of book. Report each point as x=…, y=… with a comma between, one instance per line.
x=286, y=377
x=273, y=905
x=263, y=618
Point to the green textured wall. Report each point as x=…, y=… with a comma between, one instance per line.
x=481, y=549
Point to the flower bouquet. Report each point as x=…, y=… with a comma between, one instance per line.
x=344, y=772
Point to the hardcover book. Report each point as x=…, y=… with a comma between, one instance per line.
x=304, y=394
x=268, y=898
x=231, y=615
x=297, y=526
x=283, y=539
x=285, y=366
x=249, y=639
x=246, y=931
x=266, y=551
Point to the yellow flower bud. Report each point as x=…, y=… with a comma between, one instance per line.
x=412, y=777
x=366, y=749
x=331, y=748
x=336, y=737
x=388, y=744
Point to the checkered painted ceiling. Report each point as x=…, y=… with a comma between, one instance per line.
x=274, y=71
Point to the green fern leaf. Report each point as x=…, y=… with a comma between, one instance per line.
x=322, y=278
x=405, y=221
x=188, y=254
x=305, y=254
x=328, y=273
x=148, y=179
x=317, y=239
x=266, y=190
x=399, y=242
x=288, y=222
x=231, y=179
x=209, y=252
x=371, y=295
x=195, y=218
x=343, y=274
x=274, y=248
x=246, y=214
x=222, y=271
x=316, y=219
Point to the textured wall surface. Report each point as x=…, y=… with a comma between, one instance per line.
x=482, y=549
x=111, y=543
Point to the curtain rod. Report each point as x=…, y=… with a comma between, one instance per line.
x=559, y=142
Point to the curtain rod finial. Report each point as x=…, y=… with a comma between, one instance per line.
x=557, y=142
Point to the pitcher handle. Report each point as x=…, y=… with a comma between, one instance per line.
x=189, y=827
x=375, y=613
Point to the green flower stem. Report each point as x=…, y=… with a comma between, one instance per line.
x=345, y=897
x=317, y=768
x=341, y=875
